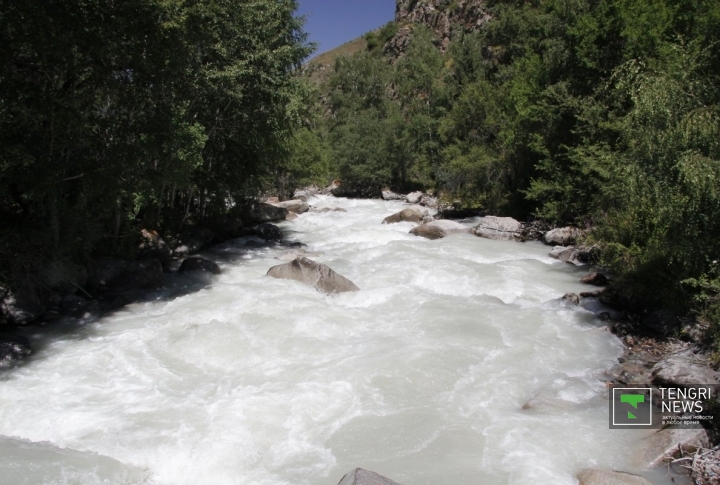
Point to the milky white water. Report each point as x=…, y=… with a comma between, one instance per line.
x=420, y=376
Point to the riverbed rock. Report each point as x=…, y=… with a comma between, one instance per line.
x=570, y=254
x=269, y=232
x=683, y=369
x=439, y=229
x=319, y=276
x=428, y=200
x=562, y=236
x=199, y=264
x=498, y=228
x=360, y=476
x=594, y=476
x=110, y=275
x=152, y=246
x=297, y=206
x=388, y=194
x=595, y=278
x=414, y=213
x=258, y=212
x=665, y=444
x=65, y=277
x=572, y=298
x=13, y=350
x=413, y=197
x=21, y=307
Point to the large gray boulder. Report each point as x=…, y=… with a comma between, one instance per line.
x=110, y=275
x=317, y=275
x=568, y=254
x=269, y=232
x=414, y=213
x=439, y=229
x=664, y=445
x=297, y=206
x=258, y=212
x=683, y=369
x=364, y=477
x=594, y=476
x=562, y=236
x=498, y=228
x=388, y=194
x=413, y=197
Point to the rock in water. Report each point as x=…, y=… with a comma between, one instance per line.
x=260, y=212
x=414, y=213
x=593, y=476
x=269, y=232
x=562, y=236
x=296, y=206
x=317, y=275
x=20, y=308
x=595, y=278
x=388, y=194
x=364, y=477
x=439, y=229
x=498, y=228
x=413, y=197
x=199, y=264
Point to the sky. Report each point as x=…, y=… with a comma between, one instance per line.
x=331, y=23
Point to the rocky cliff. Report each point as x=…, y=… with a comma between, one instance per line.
x=439, y=16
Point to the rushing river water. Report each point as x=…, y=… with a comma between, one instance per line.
x=420, y=376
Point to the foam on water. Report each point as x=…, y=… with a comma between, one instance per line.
x=421, y=376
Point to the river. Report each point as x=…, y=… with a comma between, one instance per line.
x=421, y=375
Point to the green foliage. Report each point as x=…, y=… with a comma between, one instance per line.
x=115, y=114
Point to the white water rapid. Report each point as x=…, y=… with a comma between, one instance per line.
x=421, y=376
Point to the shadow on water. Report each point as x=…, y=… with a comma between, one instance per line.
x=175, y=285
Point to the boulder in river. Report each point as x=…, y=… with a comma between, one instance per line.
x=594, y=476
x=388, y=194
x=364, y=477
x=199, y=264
x=269, y=232
x=193, y=241
x=683, y=369
x=312, y=273
x=327, y=209
x=258, y=212
x=595, y=278
x=579, y=256
x=413, y=197
x=414, y=213
x=562, y=236
x=110, y=275
x=13, y=350
x=665, y=444
x=498, y=228
x=439, y=229
x=297, y=206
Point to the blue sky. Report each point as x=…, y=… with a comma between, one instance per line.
x=331, y=23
